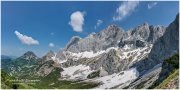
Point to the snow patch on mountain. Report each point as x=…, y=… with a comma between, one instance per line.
x=90, y=54
x=121, y=79
x=79, y=72
x=141, y=53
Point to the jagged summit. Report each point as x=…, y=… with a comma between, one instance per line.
x=114, y=36
x=29, y=55
x=113, y=27
x=50, y=53
x=145, y=24
x=48, y=56
x=73, y=41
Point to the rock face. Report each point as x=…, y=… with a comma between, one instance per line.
x=167, y=45
x=112, y=50
x=95, y=42
x=47, y=67
x=113, y=36
x=146, y=32
x=29, y=56
x=48, y=56
x=164, y=47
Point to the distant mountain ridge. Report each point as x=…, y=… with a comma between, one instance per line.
x=110, y=36
x=114, y=58
x=7, y=57
x=29, y=55
x=113, y=36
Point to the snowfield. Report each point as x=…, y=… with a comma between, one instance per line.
x=116, y=80
x=120, y=80
x=79, y=72
x=91, y=54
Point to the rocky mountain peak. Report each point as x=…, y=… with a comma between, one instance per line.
x=73, y=41
x=92, y=35
x=145, y=24
x=50, y=53
x=112, y=32
x=29, y=55
x=48, y=56
x=113, y=28
x=164, y=47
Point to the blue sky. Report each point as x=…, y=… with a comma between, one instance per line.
x=34, y=25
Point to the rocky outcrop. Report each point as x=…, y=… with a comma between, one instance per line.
x=168, y=44
x=47, y=67
x=47, y=57
x=164, y=47
x=113, y=36
x=132, y=46
x=95, y=42
x=146, y=32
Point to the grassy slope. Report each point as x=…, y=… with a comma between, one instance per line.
x=168, y=79
x=49, y=82
x=174, y=60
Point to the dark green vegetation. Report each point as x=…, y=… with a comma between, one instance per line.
x=5, y=62
x=63, y=84
x=8, y=83
x=5, y=80
x=174, y=60
x=172, y=76
x=23, y=68
x=170, y=71
x=24, y=76
x=49, y=82
x=94, y=74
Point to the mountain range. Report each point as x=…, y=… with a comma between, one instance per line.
x=141, y=57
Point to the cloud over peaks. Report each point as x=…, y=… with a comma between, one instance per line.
x=126, y=8
x=26, y=39
x=77, y=21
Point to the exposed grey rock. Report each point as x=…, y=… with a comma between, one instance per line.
x=95, y=42
x=72, y=43
x=164, y=47
x=48, y=56
x=29, y=56
x=47, y=67
x=61, y=55
x=168, y=44
x=145, y=81
x=143, y=34
x=113, y=36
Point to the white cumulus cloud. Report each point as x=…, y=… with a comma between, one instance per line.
x=99, y=22
x=26, y=39
x=77, y=21
x=51, y=45
x=151, y=5
x=126, y=8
